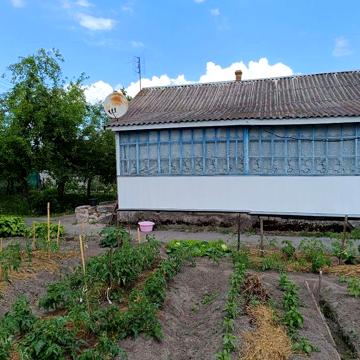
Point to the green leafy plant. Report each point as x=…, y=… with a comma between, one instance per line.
x=292, y=319
x=303, y=345
x=50, y=339
x=240, y=261
x=353, y=286
x=113, y=236
x=314, y=251
x=345, y=252
x=288, y=249
x=272, y=262
x=41, y=234
x=213, y=249
x=12, y=226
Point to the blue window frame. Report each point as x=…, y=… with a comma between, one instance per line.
x=238, y=150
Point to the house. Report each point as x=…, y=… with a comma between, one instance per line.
x=286, y=145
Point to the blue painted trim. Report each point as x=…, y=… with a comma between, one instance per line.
x=203, y=151
x=181, y=152
x=158, y=153
x=192, y=152
x=170, y=151
x=137, y=153
x=228, y=150
x=246, y=150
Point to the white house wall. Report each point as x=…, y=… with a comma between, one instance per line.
x=310, y=195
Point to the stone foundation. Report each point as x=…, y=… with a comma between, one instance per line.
x=103, y=213
x=100, y=214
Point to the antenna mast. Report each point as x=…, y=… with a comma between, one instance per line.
x=138, y=68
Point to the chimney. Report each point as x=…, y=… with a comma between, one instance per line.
x=238, y=74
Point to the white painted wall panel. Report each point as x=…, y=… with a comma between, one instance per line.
x=312, y=195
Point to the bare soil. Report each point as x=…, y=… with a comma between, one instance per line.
x=191, y=317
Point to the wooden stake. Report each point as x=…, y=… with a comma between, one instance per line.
x=48, y=224
x=238, y=233
x=82, y=254
x=33, y=245
x=262, y=236
x=138, y=235
x=58, y=235
x=343, y=241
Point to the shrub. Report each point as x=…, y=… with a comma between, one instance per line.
x=12, y=226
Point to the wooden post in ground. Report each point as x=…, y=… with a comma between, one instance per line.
x=33, y=245
x=138, y=235
x=238, y=233
x=48, y=226
x=58, y=236
x=82, y=254
x=343, y=241
x=262, y=236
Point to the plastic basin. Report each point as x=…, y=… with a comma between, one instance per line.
x=146, y=226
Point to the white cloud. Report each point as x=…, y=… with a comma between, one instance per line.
x=215, y=12
x=95, y=23
x=199, y=1
x=161, y=80
x=97, y=91
x=83, y=3
x=137, y=44
x=341, y=47
x=254, y=70
x=18, y=3
x=214, y=72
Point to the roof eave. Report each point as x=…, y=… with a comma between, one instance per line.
x=234, y=122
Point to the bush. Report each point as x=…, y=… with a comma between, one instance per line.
x=12, y=226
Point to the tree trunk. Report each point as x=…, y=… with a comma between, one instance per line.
x=61, y=188
x=88, y=187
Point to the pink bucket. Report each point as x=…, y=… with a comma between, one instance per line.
x=146, y=226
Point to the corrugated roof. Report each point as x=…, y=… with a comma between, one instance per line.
x=301, y=96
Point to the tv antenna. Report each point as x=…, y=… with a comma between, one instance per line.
x=138, y=68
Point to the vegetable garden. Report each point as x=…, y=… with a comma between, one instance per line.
x=197, y=299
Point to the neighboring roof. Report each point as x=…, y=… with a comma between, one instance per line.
x=300, y=96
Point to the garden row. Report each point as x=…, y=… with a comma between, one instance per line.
x=114, y=296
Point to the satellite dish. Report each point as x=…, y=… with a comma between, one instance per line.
x=116, y=105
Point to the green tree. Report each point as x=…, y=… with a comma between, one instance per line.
x=43, y=112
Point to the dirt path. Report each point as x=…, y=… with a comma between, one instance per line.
x=191, y=318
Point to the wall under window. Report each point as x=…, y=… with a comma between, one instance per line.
x=238, y=150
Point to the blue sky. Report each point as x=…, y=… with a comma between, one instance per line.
x=182, y=41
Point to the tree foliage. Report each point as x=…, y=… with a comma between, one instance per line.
x=47, y=126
